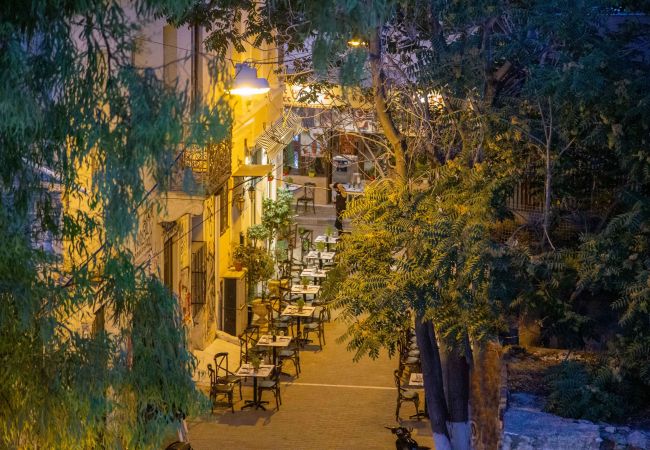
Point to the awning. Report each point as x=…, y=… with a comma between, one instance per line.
x=253, y=170
x=278, y=135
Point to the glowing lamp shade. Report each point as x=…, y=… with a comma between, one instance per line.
x=246, y=82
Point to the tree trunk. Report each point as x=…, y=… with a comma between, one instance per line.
x=547, y=196
x=433, y=384
x=397, y=141
x=457, y=370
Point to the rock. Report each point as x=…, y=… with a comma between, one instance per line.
x=610, y=429
x=638, y=440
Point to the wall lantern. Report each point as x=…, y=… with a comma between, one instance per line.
x=240, y=201
x=251, y=192
x=246, y=82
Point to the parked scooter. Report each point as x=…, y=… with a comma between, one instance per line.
x=404, y=440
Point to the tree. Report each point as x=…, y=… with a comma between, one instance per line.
x=465, y=93
x=73, y=100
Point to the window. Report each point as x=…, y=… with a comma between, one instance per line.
x=223, y=209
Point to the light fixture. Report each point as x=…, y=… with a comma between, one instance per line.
x=356, y=42
x=240, y=202
x=246, y=82
x=251, y=192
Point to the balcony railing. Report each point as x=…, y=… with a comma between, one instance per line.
x=202, y=169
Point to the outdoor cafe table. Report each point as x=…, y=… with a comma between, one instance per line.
x=320, y=256
x=310, y=289
x=266, y=340
x=328, y=240
x=353, y=191
x=317, y=274
x=292, y=310
x=247, y=370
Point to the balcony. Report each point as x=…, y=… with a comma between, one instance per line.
x=202, y=170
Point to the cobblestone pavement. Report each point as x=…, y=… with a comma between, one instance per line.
x=334, y=404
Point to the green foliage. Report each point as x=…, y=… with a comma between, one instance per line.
x=259, y=263
x=257, y=232
x=81, y=125
x=277, y=215
x=582, y=392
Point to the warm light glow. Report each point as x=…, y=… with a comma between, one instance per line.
x=248, y=91
x=354, y=42
x=247, y=83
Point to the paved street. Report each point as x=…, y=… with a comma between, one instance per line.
x=335, y=404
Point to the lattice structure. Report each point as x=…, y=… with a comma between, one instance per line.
x=203, y=169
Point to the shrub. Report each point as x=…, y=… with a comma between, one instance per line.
x=581, y=392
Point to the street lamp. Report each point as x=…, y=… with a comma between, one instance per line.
x=246, y=82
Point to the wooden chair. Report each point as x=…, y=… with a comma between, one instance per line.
x=309, y=190
x=224, y=375
x=405, y=395
x=291, y=353
x=217, y=389
x=317, y=326
x=271, y=384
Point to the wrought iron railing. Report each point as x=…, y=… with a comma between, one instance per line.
x=202, y=169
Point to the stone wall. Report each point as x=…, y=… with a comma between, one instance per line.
x=527, y=427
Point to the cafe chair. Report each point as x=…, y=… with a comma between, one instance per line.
x=271, y=384
x=217, y=389
x=224, y=375
x=405, y=395
x=307, y=197
x=317, y=326
x=291, y=353
x=247, y=340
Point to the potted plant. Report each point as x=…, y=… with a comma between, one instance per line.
x=311, y=172
x=300, y=304
x=288, y=181
x=305, y=282
x=256, y=362
x=329, y=231
x=259, y=263
x=269, y=176
x=239, y=256
x=257, y=233
x=320, y=247
x=286, y=170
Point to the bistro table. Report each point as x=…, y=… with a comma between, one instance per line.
x=353, y=191
x=292, y=310
x=320, y=256
x=247, y=370
x=416, y=381
x=311, y=289
x=328, y=240
x=267, y=340
x=317, y=274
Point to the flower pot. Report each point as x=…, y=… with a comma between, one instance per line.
x=300, y=308
x=269, y=177
x=238, y=266
x=311, y=173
